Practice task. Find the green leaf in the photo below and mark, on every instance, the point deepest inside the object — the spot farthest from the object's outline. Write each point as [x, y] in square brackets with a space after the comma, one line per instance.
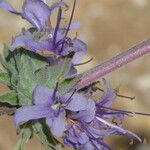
[67, 84]
[52, 74]
[26, 133]
[44, 135]
[9, 97]
[27, 65]
[9, 55]
[26, 80]
[9, 66]
[4, 78]
[38, 61]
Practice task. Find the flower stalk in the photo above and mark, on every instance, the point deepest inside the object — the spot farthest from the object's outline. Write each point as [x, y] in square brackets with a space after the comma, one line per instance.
[113, 64]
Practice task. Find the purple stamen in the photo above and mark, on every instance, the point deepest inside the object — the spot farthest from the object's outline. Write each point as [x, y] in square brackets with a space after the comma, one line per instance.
[113, 64]
[57, 26]
[119, 95]
[98, 140]
[84, 62]
[69, 99]
[102, 143]
[72, 13]
[110, 113]
[125, 111]
[117, 128]
[55, 91]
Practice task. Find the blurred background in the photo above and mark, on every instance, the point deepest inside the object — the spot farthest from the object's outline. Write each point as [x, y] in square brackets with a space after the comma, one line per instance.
[108, 27]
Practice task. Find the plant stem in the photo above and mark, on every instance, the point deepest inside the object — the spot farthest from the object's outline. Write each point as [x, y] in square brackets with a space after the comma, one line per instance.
[113, 64]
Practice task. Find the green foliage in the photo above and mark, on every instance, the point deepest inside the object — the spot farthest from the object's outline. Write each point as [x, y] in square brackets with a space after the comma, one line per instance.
[44, 135]
[26, 80]
[20, 67]
[4, 78]
[25, 135]
[50, 75]
[9, 97]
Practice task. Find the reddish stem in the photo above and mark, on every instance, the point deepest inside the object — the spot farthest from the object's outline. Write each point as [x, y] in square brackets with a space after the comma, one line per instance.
[113, 64]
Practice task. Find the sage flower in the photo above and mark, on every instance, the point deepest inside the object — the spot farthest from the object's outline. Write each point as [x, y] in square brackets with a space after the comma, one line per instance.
[42, 36]
[81, 121]
[49, 104]
[34, 11]
[88, 128]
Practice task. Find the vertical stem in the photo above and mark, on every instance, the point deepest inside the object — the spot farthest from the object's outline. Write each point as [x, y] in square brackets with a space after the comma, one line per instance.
[113, 64]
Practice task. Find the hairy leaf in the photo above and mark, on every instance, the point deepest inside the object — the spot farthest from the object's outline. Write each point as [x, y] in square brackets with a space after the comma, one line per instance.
[4, 78]
[26, 81]
[52, 74]
[44, 135]
[26, 133]
[9, 97]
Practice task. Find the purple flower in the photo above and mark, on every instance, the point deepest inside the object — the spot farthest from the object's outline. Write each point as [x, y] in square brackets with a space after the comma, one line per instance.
[89, 127]
[34, 11]
[44, 106]
[43, 37]
[49, 104]
[84, 123]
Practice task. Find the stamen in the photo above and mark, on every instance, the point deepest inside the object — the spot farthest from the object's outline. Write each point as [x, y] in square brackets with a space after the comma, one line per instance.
[84, 62]
[68, 100]
[54, 93]
[119, 95]
[98, 140]
[57, 26]
[72, 13]
[125, 111]
[118, 128]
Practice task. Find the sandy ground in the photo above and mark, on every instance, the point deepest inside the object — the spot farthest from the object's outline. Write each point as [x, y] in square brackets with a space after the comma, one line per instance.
[108, 27]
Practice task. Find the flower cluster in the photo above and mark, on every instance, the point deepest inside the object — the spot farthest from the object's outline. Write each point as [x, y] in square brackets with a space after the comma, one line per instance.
[42, 36]
[80, 120]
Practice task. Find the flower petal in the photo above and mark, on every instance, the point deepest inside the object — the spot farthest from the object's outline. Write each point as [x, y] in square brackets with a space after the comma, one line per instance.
[6, 6]
[88, 114]
[28, 42]
[42, 95]
[70, 136]
[27, 113]
[74, 25]
[82, 138]
[98, 133]
[77, 46]
[58, 4]
[88, 146]
[72, 71]
[119, 129]
[80, 48]
[74, 135]
[109, 95]
[57, 124]
[36, 12]
[77, 103]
